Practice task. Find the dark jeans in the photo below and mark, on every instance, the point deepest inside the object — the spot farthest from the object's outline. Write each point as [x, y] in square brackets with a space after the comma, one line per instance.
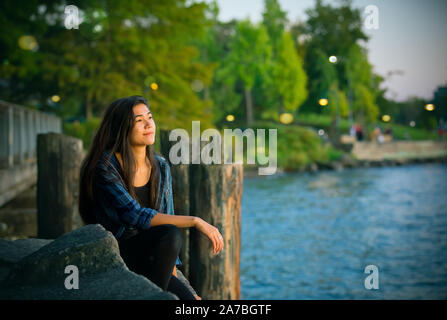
[152, 253]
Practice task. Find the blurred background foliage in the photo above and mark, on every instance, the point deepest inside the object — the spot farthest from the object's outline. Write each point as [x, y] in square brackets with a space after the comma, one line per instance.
[191, 66]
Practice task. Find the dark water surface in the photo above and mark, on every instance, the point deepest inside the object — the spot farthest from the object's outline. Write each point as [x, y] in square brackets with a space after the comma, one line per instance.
[310, 236]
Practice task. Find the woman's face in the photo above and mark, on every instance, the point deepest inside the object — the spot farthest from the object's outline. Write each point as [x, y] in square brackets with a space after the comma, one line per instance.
[143, 131]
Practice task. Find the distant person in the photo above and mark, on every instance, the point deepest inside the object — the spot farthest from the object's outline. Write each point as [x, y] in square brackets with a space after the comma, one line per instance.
[377, 135]
[388, 131]
[359, 132]
[352, 131]
[441, 133]
[388, 134]
[119, 189]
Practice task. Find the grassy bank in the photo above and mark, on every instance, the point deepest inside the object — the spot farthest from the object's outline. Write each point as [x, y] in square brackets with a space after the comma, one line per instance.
[299, 147]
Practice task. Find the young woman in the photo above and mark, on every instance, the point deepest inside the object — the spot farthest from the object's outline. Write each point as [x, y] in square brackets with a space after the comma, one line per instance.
[127, 188]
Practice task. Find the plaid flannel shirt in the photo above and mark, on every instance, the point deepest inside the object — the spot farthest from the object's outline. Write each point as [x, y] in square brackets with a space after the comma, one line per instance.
[115, 209]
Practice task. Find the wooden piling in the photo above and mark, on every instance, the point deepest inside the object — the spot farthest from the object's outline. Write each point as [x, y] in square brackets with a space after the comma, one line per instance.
[216, 192]
[58, 163]
[213, 193]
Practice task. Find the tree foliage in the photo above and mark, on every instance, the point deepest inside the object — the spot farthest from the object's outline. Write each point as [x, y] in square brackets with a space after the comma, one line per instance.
[121, 48]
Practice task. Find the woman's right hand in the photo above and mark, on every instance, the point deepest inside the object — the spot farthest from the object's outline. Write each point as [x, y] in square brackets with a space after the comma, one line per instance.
[212, 233]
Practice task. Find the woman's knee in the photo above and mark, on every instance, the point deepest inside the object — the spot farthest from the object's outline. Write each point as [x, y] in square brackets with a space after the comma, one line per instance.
[173, 236]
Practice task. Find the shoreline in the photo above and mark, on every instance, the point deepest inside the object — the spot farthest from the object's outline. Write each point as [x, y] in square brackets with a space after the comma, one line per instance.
[350, 163]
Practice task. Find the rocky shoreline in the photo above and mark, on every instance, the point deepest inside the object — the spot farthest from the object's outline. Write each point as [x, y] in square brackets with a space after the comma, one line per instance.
[347, 161]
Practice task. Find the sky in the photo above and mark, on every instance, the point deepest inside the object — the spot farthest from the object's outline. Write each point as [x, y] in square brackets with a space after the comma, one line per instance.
[411, 39]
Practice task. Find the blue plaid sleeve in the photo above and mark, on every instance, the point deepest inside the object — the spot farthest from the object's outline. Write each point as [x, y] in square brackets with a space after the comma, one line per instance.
[127, 211]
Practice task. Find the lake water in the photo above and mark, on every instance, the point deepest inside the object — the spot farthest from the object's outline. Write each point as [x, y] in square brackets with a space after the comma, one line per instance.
[310, 236]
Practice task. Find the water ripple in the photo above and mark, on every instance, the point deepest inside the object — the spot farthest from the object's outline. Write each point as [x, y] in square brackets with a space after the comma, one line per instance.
[311, 236]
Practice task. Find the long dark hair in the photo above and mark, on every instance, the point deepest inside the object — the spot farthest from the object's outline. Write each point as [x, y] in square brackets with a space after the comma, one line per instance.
[114, 135]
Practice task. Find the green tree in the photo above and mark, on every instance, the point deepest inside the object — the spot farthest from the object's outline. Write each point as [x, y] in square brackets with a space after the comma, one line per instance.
[328, 31]
[289, 77]
[323, 75]
[274, 20]
[283, 86]
[335, 29]
[337, 107]
[361, 85]
[220, 91]
[120, 48]
[249, 56]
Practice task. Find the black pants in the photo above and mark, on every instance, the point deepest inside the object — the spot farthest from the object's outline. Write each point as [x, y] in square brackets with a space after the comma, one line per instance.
[152, 253]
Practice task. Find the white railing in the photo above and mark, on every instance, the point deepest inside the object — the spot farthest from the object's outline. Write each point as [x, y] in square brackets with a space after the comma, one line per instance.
[19, 127]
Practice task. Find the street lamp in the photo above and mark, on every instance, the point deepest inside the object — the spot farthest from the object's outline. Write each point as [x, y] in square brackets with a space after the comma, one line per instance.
[429, 107]
[323, 102]
[56, 98]
[286, 118]
[230, 118]
[386, 118]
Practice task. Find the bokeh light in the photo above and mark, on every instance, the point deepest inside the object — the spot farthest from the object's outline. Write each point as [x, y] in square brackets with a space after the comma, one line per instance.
[28, 43]
[55, 98]
[323, 102]
[412, 124]
[286, 118]
[197, 85]
[429, 107]
[333, 59]
[386, 118]
[230, 118]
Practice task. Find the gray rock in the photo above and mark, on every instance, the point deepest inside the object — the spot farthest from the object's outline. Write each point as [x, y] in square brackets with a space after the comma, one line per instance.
[115, 284]
[337, 166]
[348, 160]
[12, 252]
[92, 249]
[183, 279]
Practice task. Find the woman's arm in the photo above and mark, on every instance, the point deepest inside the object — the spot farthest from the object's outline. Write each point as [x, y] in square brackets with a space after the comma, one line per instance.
[191, 221]
[178, 221]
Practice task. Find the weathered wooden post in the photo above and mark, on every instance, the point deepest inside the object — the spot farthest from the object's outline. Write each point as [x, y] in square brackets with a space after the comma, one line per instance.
[180, 186]
[216, 193]
[213, 193]
[58, 163]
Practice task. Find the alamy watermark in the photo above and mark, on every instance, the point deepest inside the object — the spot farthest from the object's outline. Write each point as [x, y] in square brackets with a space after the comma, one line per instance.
[219, 149]
[72, 17]
[372, 18]
[372, 281]
[71, 281]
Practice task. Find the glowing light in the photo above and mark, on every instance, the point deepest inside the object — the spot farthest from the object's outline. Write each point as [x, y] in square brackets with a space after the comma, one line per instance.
[286, 118]
[230, 118]
[197, 85]
[28, 43]
[323, 102]
[412, 123]
[429, 107]
[386, 118]
[97, 28]
[333, 59]
[154, 86]
[56, 98]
